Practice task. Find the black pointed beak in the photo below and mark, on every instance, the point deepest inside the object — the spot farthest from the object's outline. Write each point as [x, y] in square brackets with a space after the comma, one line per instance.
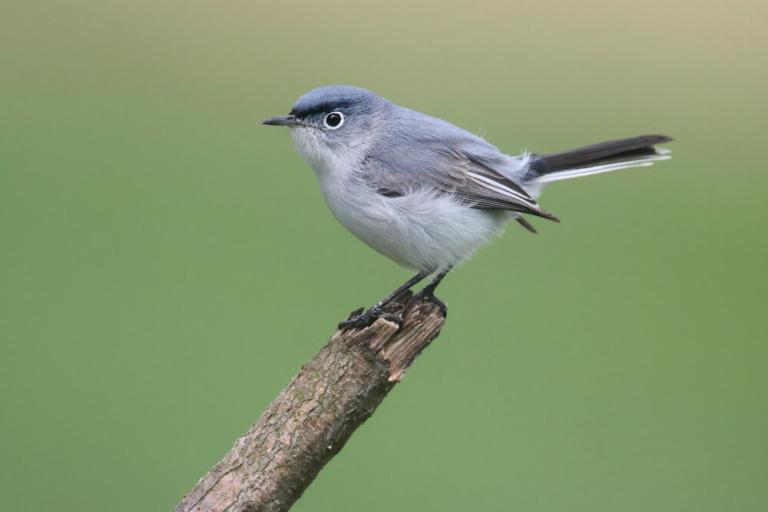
[281, 121]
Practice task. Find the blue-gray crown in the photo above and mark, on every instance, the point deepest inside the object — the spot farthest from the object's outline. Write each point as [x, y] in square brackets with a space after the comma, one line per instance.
[335, 97]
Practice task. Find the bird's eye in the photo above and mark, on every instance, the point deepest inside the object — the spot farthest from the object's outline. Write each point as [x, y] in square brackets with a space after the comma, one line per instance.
[334, 120]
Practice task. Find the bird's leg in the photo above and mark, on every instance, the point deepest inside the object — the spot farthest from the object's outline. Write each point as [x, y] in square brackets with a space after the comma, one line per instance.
[367, 317]
[428, 292]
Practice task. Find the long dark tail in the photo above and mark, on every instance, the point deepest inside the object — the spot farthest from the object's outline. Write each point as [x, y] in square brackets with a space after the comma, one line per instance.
[598, 158]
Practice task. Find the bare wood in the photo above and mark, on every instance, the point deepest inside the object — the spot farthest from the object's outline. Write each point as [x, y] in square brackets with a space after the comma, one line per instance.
[310, 420]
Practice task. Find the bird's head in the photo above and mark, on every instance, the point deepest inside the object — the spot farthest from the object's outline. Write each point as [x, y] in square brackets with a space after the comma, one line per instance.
[333, 122]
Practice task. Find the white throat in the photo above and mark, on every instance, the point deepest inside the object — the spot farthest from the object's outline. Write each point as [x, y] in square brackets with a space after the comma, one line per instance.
[328, 163]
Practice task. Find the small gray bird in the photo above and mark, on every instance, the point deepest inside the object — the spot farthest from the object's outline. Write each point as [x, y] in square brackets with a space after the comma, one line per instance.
[424, 192]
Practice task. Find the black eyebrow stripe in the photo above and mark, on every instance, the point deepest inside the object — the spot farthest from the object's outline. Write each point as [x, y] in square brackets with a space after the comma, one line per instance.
[327, 106]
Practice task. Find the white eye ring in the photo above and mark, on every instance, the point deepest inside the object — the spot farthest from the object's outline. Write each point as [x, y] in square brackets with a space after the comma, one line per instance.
[334, 117]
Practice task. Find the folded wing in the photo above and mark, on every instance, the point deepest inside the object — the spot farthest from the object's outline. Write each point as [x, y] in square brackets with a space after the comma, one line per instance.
[461, 174]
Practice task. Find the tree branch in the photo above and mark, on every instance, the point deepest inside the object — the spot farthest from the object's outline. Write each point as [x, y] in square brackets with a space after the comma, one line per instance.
[310, 420]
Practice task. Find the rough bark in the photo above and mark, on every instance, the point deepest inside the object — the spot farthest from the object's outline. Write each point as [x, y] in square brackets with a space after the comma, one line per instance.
[310, 420]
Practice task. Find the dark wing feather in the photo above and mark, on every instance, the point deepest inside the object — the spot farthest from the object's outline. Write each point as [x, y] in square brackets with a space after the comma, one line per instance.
[451, 172]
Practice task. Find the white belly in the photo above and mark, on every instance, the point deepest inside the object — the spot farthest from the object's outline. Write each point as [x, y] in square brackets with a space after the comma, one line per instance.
[422, 230]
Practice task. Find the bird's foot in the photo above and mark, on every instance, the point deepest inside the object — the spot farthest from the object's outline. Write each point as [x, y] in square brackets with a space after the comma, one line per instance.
[428, 295]
[360, 318]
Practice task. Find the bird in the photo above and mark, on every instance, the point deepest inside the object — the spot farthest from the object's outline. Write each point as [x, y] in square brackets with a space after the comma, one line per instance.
[424, 192]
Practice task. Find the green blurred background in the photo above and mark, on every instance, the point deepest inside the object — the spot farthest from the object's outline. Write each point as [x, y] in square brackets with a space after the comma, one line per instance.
[167, 263]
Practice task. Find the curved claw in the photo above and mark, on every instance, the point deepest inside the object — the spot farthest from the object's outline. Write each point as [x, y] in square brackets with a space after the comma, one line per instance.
[427, 296]
[367, 317]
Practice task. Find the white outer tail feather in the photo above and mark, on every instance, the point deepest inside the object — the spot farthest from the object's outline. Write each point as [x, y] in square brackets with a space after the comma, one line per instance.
[644, 161]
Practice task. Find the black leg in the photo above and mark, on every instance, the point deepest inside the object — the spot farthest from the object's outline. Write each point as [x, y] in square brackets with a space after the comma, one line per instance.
[428, 292]
[405, 286]
[370, 315]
